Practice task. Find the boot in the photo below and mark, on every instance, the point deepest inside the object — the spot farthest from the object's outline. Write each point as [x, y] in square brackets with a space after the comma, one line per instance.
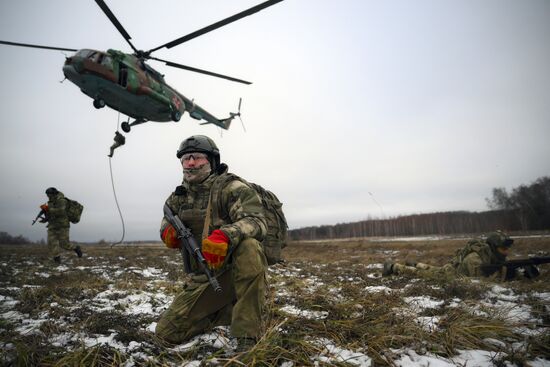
[78, 251]
[388, 268]
[245, 344]
[57, 259]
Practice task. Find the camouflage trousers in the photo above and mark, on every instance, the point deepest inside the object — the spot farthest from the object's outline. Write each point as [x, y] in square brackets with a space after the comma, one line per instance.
[425, 269]
[58, 238]
[240, 304]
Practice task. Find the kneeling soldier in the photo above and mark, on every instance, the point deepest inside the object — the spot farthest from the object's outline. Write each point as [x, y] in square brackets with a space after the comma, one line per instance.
[226, 214]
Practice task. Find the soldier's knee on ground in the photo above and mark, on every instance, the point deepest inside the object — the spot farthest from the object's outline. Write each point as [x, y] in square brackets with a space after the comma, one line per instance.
[249, 260]
[174, 331]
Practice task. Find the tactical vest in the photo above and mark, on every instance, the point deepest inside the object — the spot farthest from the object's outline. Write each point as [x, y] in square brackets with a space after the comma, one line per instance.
[276, 236]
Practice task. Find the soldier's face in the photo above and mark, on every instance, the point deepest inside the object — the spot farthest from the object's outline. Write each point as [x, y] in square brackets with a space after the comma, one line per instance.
[196, 167]
[192, 160]
[503, 250]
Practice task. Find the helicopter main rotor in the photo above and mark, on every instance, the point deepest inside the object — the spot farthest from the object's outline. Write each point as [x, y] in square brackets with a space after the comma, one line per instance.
[144, 55]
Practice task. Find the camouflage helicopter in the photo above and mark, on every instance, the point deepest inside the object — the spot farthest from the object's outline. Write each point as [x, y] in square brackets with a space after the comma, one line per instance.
[127, 84]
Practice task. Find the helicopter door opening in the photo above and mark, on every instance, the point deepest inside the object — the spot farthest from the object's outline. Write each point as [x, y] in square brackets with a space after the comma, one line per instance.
[122, 74]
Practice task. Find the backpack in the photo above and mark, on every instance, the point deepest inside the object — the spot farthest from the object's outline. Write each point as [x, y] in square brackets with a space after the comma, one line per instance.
[74, 210]
[276, 236]
[474, 245]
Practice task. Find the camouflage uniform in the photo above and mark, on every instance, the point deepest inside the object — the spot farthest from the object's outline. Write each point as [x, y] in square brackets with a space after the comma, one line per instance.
[237, 211]
[466, 262]
[58, 225]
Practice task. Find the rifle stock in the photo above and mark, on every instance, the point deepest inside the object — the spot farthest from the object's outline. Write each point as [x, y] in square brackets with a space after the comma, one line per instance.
[190, 245]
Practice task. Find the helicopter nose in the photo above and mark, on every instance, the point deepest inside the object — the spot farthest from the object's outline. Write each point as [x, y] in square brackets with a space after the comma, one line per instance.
[71, 73]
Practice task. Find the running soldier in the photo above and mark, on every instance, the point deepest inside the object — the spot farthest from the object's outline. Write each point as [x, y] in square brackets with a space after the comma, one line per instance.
[58, 225]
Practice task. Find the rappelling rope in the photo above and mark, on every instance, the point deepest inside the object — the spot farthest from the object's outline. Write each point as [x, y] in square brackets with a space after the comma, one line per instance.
[114, 194]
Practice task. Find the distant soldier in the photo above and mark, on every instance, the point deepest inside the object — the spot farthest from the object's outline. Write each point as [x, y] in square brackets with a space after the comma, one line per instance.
[119, 140]
[58, 224]
[467, 261]
[225, 214]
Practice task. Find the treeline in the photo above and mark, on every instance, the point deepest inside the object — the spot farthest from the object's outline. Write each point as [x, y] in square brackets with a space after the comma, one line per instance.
[415, 225]
[526, 208]
[6, 238]
[531, 202]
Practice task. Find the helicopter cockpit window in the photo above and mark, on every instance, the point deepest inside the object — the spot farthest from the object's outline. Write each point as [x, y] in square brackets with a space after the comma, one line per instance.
[92, 56]
[84, 53]
[107, 61]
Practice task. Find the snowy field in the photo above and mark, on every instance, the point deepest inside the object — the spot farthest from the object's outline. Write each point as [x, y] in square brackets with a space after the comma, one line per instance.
[328, 306]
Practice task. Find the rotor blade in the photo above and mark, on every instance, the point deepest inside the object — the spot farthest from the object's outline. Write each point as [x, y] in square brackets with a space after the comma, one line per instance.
[115, 22]
[217, 25]
[190, 68]
[37, 46]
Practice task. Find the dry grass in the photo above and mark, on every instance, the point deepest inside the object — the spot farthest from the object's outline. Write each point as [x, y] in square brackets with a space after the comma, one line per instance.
[327, 280]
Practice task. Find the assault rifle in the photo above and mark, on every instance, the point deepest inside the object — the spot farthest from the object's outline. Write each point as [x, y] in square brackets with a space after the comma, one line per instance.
[528, 265]
[189, 245]
[42, 215]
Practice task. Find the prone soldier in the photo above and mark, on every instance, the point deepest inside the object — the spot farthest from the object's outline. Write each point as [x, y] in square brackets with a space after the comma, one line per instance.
[468, 261]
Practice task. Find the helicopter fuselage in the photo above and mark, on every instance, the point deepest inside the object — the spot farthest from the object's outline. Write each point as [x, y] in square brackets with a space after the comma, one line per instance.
[125, 83]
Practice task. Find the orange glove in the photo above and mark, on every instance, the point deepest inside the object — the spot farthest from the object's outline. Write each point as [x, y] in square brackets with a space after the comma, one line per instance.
[170, 237]
[214, 249]
[44, 207]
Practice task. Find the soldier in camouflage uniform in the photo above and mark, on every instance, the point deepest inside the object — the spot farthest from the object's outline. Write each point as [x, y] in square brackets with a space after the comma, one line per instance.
[119, 140]
[467, 261]
[231, 225]
[58, 225]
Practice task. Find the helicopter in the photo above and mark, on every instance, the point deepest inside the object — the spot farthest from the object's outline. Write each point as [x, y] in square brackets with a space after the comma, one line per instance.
[126, 83]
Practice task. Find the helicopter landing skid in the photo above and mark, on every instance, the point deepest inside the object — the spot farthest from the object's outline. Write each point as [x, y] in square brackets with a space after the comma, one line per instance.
[126, 126]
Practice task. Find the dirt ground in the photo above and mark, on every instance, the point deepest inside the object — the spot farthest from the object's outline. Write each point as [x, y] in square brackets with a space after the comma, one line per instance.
[328, 305]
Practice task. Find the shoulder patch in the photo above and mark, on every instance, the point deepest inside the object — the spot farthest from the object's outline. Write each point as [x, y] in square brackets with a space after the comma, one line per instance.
[180, 191]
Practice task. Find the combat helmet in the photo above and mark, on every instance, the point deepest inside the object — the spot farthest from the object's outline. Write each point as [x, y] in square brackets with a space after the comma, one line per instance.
[499, 239]
[202, 144]
[51, 191]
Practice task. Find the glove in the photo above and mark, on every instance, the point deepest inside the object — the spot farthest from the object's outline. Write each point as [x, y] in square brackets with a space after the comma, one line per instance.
[44, 207]
[214, 249]
[170, 237]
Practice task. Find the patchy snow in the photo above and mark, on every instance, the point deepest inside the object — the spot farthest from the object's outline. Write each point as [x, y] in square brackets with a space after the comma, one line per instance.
[7, 302]
[466, 358]
[538, 362]
[312, 315]
[420, 303]
[331, 353]
[375, 266]
[150, 272]
[378, 289]
[428, 323]
[217, 339]
[140, 302]
[25, 324]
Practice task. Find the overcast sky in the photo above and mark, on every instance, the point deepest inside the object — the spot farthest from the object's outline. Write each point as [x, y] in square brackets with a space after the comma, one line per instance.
[358, 108]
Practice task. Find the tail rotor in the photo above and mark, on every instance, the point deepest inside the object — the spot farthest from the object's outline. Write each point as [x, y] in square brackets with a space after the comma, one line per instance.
[238, 114]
